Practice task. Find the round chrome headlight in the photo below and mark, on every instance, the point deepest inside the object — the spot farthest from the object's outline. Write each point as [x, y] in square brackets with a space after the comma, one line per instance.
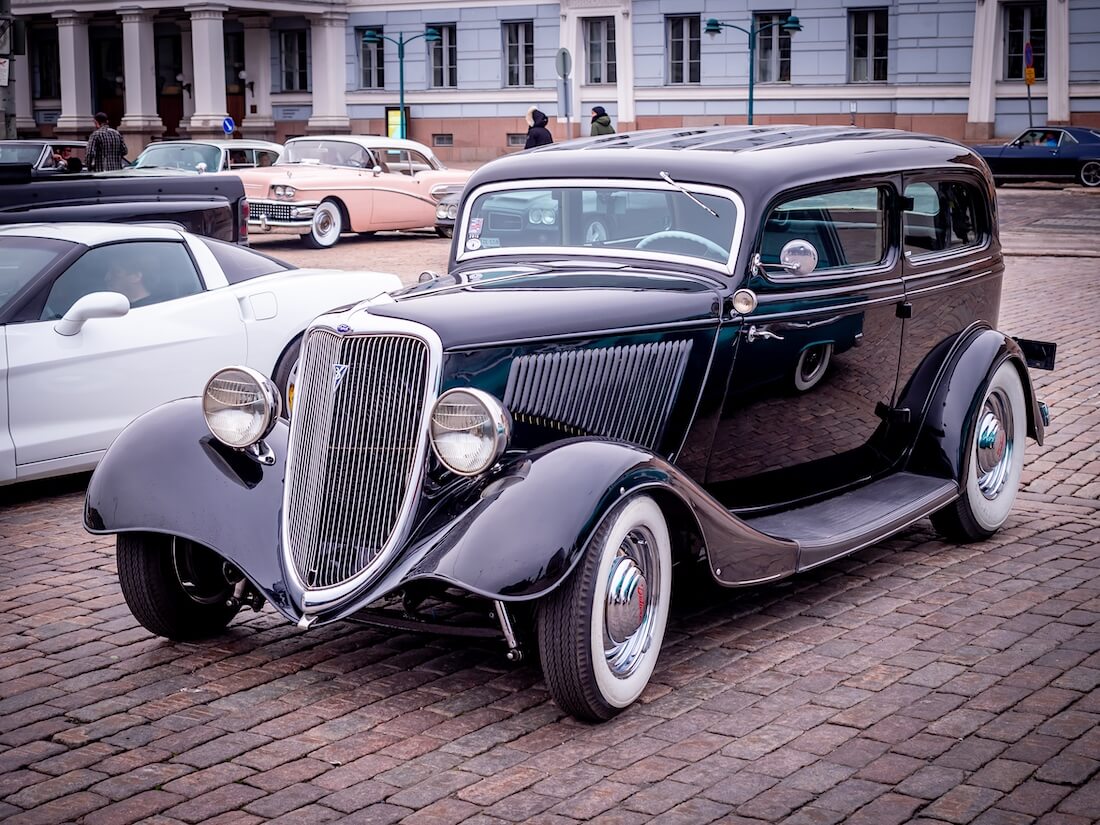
[441, 211]
[469, 430]
[452, 211]
[240, 406]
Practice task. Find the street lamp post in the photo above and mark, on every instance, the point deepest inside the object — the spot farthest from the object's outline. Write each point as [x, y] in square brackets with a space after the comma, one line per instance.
[713, 27]
[372, 36]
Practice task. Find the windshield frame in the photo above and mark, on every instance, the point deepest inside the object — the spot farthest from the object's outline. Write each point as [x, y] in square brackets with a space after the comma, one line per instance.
[726, 268]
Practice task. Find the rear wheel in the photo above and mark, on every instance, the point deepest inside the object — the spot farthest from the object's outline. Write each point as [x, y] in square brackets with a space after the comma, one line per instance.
[996, 461]
[327, 225]
[600, 633]
[1090, 173]
[174, 587]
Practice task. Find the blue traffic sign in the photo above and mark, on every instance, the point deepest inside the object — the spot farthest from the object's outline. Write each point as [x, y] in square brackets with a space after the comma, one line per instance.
[228, 125]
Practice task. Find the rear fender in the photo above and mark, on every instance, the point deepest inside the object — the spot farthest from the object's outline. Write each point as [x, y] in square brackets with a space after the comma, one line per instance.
[951, 411]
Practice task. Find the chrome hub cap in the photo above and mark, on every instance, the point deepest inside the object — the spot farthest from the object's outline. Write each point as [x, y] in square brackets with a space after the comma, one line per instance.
[324, 223]
[993, 450]
[629, 609]
[1090, 174]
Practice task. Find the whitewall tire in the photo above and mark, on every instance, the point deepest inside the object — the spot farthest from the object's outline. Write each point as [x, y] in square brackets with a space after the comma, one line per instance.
[600, 632]
[327, 226]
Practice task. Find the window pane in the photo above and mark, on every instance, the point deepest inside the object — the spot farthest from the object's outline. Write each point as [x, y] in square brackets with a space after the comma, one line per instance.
[945, 215]
[846, 228]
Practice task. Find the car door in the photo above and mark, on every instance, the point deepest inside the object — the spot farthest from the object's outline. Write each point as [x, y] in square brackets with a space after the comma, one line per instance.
[815, 369]
[71, 394]
[1030, 155]
[953, 266]
[401, 197]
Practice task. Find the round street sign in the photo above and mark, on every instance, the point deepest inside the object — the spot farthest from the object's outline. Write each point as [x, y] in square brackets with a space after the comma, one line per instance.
[228, 125]
[563, 62]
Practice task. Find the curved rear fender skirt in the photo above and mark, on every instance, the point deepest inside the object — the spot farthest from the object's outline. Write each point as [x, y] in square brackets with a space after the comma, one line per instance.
[521, 534]
[940, 448]
[165, 473]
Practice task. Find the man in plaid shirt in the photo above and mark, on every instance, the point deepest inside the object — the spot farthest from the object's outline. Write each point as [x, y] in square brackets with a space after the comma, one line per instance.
[106, 147]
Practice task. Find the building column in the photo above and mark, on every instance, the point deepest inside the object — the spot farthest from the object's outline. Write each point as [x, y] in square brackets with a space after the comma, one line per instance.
[24, 107]
[187, 61]
[141, 123]
[208, 59]
[75, 120]
[328, 42]
[981, 113]
[1058, 62]
[259, 123]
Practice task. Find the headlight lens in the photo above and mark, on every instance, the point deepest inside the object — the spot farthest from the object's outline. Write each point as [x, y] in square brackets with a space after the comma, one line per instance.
[452, 211]
[441, 212]
[469, 430]
[240, 406]
[280, 191]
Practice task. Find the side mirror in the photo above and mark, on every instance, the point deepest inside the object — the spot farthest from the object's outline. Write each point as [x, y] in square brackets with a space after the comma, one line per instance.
[200, 167]
[798, 257]
[92, 305]
[376, 169]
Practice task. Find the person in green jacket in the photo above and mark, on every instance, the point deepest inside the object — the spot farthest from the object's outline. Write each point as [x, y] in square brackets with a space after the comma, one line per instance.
[601, 122]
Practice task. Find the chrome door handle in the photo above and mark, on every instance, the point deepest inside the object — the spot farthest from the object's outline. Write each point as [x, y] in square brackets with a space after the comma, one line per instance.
[755, 333]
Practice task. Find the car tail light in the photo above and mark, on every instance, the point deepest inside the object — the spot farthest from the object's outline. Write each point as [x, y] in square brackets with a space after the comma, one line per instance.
[242, 222]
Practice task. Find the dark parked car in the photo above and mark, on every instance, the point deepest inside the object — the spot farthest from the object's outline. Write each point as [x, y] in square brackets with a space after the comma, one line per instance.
[751, 350]
[45, 157]
[1049, 153]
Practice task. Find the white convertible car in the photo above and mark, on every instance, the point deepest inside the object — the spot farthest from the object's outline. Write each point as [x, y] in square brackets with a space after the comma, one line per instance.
[100, 323]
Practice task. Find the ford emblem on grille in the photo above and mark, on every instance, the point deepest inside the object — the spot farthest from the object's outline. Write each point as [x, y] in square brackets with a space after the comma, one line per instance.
[338, 373]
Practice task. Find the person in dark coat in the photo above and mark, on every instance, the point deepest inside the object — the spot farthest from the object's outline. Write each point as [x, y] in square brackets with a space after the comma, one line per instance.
[537, 133]
[601, 122]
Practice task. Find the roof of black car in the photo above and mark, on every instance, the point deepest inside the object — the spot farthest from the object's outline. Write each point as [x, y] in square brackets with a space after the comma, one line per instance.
[756, 160]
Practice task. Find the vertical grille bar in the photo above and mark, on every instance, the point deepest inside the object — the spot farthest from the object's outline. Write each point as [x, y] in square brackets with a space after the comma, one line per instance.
[358, 420]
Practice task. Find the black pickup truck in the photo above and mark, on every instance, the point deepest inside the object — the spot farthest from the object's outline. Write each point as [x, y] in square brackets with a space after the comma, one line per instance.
[211, 205]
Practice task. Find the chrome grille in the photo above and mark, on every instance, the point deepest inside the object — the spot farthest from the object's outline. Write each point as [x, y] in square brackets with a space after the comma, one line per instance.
[617, 392]
[268, 209]
[356, 436]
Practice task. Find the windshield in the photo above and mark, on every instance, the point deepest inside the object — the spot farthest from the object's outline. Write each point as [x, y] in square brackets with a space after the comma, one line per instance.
[22, 260]
[180, 156]
[329, 152]
[20, 152]
[616, 220]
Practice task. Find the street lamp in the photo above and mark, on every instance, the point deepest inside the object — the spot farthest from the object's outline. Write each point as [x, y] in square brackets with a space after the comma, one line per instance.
[713, 27]
[372, 36]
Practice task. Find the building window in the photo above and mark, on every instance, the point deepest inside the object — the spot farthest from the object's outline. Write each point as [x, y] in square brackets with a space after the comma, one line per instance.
[443, 139]
[682, 46]
[519, 53]
[517, 139]
[1024, 23]
[868, 44]
[599, 38]
[444, 53]
[372, 59]
[233, 49]
[773, 48]
[294, 60]
[45, 64]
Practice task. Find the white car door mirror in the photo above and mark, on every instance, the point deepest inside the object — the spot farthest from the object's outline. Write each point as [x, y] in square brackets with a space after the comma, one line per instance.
[376, 169]
[798, 257]
[92, 305]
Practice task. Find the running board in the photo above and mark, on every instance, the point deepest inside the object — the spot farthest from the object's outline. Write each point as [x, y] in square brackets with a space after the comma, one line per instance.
[850, 522]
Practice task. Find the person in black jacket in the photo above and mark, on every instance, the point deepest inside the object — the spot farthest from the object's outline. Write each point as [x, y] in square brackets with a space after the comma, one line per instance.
[537, 133]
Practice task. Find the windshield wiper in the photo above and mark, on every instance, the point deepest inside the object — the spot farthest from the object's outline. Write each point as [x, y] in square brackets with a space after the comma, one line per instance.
[668, 179]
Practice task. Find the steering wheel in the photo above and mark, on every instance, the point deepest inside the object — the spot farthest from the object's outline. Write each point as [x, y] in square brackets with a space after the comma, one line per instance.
[677, 235]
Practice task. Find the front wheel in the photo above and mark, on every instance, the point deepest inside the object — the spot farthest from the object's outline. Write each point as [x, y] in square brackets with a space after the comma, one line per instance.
[996, 462]
[1090, 173]
[174, 587]
[445, 231]
[327, 225]
[600, 633]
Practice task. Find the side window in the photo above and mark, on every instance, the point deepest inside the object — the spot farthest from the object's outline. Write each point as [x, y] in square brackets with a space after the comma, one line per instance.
[265, 158]
[847, 228]
[944, 216]
[146, 272]
[240, 264]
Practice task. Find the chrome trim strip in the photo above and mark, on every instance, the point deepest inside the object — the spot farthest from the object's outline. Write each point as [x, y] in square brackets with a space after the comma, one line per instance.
[950, 284]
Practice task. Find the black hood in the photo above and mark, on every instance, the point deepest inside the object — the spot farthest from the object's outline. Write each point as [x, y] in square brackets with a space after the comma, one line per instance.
[539, 118]
[546, 304]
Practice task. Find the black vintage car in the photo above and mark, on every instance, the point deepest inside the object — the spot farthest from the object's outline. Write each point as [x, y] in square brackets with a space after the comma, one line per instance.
[1058, 153]
[748, 350]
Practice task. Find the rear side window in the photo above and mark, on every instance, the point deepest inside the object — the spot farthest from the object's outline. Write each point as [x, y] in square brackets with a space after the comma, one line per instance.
[846, 228]
[240, 264]
[24, 259]
[944, 216]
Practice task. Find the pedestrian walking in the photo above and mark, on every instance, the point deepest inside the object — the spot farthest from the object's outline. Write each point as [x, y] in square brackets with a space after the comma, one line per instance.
[537, 133]
[601, 122]
[106, 148]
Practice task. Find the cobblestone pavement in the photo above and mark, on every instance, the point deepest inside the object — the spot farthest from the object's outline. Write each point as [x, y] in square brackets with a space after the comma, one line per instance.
[914, 681]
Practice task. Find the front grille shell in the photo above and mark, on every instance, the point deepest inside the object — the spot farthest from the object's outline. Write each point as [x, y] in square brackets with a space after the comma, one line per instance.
[356, 455]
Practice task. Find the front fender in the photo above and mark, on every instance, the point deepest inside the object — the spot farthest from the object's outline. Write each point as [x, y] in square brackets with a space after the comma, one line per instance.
[165, 473]
[959, 387]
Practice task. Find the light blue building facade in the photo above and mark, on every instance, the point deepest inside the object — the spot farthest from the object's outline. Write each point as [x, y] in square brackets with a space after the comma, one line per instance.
[471, 70]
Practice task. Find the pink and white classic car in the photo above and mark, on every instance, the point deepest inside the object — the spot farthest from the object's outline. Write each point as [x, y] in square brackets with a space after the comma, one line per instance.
[324, 186]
